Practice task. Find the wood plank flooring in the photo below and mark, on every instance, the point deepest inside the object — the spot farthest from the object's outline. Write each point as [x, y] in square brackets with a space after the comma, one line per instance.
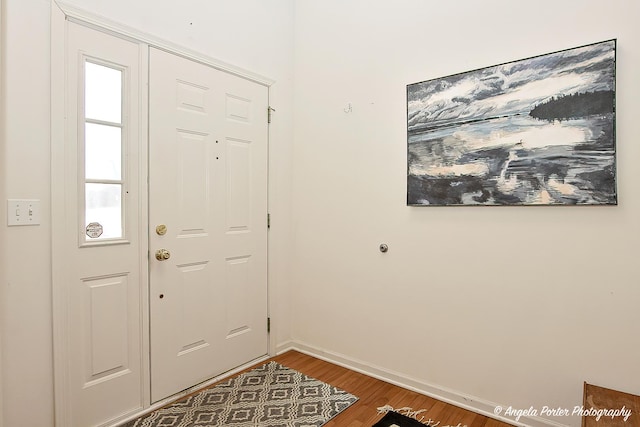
[604, 398]
[374, 393]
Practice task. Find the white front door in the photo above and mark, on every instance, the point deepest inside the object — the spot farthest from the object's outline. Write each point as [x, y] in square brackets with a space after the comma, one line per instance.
[207, 222]
[98, 282]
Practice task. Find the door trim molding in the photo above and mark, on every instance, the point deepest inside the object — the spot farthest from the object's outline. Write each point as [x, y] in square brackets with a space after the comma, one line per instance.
[58, 270]
[2, 197]
[87, 18]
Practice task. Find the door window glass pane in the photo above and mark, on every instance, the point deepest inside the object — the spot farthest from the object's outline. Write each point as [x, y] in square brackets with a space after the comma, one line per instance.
[103, 211]
[103, 154]
[103, 93]
[103, 146]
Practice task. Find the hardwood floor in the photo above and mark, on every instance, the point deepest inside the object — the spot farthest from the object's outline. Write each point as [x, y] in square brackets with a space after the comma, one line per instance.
[373, 393]
[605, 398]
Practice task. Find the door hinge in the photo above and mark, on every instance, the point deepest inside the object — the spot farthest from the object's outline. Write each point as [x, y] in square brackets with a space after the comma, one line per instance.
[268, 324]
[269, 111]
[268, 221]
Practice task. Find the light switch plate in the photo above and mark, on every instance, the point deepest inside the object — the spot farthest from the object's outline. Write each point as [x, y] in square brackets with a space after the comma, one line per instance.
[23, 212]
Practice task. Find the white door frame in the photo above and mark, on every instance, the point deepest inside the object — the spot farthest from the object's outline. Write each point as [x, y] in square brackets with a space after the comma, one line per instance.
[60, 13]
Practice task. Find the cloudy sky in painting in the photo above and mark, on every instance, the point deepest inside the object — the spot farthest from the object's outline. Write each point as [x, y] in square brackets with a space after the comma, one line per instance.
[511, 88]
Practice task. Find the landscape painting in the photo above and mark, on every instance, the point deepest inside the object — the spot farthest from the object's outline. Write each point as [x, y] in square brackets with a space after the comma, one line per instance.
[538, 131]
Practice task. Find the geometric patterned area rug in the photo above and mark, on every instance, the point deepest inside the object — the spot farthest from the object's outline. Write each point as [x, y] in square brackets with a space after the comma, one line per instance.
[270, 395]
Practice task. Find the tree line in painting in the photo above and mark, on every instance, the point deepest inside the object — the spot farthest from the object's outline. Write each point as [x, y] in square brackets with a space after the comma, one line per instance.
[575, 105]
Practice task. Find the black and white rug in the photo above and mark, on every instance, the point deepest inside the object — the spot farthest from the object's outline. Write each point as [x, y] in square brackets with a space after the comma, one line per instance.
[394, 419]
[406, 417]
[270, 395]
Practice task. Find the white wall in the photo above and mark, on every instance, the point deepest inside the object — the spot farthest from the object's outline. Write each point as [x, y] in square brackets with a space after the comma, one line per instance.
[516, 306]
[249, 33]
[26, 284]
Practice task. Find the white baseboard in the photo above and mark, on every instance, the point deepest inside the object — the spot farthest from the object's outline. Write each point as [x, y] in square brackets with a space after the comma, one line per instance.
[286, 346]
[452, 397]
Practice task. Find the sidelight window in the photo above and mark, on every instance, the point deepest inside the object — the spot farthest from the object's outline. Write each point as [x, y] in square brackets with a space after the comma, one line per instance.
[103, 152]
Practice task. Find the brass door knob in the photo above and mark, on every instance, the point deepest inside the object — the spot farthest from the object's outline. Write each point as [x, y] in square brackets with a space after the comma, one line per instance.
[163, 254]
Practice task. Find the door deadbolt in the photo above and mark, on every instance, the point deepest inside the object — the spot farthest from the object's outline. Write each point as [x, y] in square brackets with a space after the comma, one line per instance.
[163, 254]
[161, 230]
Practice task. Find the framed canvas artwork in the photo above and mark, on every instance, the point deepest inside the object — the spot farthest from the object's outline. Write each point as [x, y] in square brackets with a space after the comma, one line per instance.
[537, 131]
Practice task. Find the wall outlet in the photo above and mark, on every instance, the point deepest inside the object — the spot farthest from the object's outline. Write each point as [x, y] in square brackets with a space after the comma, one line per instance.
[23, 212]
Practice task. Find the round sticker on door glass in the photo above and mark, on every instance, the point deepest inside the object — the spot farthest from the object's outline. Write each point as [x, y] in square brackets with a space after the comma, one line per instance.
[94, 230]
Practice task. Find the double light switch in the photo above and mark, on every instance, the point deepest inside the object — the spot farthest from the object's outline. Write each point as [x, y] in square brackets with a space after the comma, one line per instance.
[23, 212]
